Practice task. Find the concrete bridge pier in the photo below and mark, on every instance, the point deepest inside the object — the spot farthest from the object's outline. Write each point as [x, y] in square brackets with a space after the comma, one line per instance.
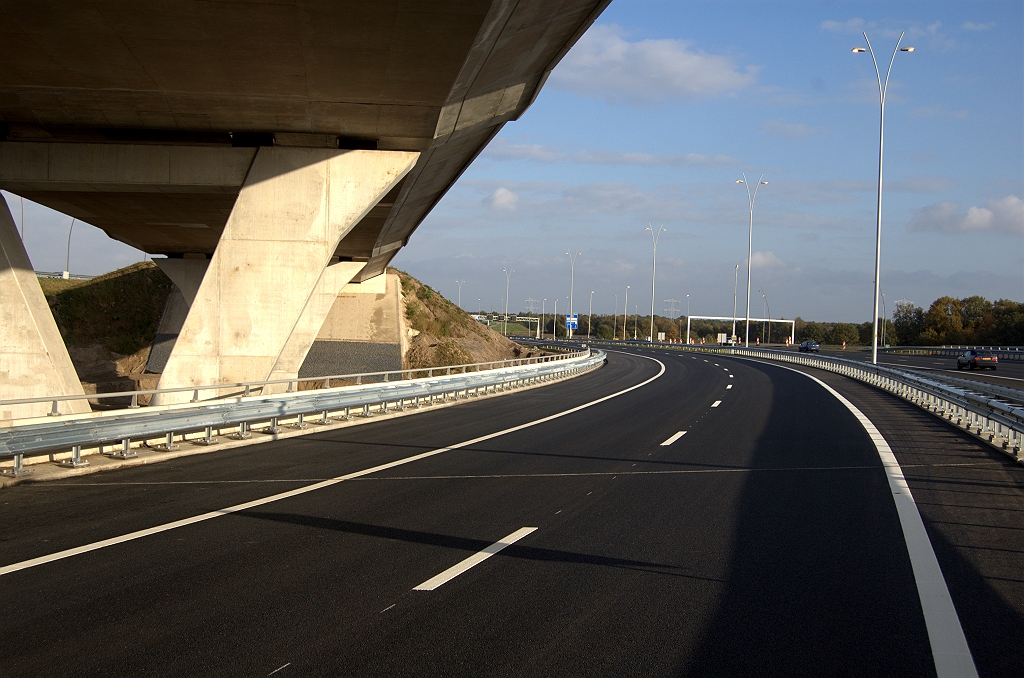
[271, 281]
[34, 361]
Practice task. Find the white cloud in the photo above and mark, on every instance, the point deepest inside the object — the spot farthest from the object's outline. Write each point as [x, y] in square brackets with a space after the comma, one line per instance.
[790, 130]
[504, 150]
[971, 26]
[1004, 215]
[848, 26]
[765, 260]
[503, 200]
[604, 64]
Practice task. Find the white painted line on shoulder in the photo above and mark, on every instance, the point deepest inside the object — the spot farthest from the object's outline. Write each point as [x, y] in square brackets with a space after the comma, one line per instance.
[950, 651]
[78, 550]
[730, 376]
[716, 403]
[728, 387]
[475, 559]
[674, 438]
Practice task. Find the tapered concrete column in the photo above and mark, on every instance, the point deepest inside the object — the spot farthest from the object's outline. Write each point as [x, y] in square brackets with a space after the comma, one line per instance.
[34, 361]
[332, 281]
[294, 208]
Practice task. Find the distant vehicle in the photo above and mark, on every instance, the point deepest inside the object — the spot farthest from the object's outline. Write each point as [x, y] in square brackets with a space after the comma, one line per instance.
[810, 345]
[976, 360]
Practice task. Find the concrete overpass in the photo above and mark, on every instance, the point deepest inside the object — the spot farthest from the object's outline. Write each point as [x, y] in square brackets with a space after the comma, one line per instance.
[273, 152]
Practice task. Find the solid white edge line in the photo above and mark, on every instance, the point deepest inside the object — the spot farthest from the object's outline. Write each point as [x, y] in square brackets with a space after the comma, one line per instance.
[78, 550]
[716, 403]
[474, 560]
[674, 438]
[950, 652]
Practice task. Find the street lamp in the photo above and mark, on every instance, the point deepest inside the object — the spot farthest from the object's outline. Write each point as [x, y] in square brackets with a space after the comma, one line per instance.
[615, 318]
[590, 316]
[878, 219]
[541, 325]
[884, 319]
[654, 271]
[67, 261]
[508, 276]
[572, 279]
[750, 241]
[625, 313]
[459, 283]
[769, 313]
[687, 319]
[735, 282]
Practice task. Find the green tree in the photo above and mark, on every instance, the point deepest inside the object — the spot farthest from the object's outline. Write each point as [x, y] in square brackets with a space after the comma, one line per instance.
[945, 319]
[843, 332]
[909, 322]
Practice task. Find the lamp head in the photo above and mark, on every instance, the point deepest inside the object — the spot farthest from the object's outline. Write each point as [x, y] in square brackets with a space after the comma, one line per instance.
[764, 182]
[906, 49]
[858, 50]
[740, 181]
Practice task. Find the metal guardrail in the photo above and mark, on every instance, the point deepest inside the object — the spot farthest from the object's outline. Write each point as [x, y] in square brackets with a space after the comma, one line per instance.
[1003, 352]
[122, 426]
[248, 388]
[977, 407]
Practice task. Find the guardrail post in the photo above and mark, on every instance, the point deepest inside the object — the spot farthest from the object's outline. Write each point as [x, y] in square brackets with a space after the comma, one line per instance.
[76, 460]
[366, 410]
[327, 382]
[207, 438]
[195, 396]
[301, 422]
[348, 413]
[135, 402]
[55, 412]
[273, 428]
[169, 445]
[359, 379]
[243, 432]
[17, 469]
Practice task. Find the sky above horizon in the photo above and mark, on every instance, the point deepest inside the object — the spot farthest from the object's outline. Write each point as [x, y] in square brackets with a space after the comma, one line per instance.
[662, 105]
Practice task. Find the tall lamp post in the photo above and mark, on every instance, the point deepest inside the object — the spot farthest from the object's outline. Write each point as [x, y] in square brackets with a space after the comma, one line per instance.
[878, 219]
[459, 283]
[541, 325]
[654, 272]
[590, 316]
[67, 261]
[625, 313]
[884, 319]
[735, 282]
[687, 319]
[508, 276]
[615, 318]
[572, 279]
[750, 241]
[769, 313]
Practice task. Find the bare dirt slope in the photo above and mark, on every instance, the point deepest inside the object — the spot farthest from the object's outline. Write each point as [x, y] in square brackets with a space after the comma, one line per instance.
[443, 334]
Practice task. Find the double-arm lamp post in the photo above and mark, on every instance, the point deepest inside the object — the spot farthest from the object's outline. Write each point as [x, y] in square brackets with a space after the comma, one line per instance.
[882, 86]
[654, 271]
[751, 197]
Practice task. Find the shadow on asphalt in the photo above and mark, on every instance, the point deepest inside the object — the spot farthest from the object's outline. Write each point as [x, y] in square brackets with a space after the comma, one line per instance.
[464, 543]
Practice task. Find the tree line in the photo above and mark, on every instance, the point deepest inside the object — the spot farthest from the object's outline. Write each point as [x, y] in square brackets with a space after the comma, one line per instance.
[948, 320]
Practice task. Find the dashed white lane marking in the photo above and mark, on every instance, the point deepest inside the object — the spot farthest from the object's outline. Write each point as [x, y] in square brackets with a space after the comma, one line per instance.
[674, 438]
[950, 651]
[716, 403]
[285, 666]
[475, 559]
[730, 376]
[728, 387]
[113, 541]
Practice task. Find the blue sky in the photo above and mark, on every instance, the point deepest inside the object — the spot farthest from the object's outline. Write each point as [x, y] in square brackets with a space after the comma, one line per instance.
[661, 106]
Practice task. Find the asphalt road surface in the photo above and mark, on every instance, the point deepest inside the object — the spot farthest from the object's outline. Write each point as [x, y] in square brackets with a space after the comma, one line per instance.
[565, 530]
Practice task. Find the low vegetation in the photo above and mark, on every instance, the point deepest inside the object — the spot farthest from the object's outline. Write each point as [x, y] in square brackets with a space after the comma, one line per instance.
[119, 310]
[444, 333]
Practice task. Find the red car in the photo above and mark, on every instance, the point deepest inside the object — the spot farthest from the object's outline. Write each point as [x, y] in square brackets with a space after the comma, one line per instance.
[976, 360]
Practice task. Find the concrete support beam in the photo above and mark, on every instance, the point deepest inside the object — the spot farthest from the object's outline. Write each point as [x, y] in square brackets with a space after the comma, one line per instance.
[34, 361]
[332, 281]
[294, 208]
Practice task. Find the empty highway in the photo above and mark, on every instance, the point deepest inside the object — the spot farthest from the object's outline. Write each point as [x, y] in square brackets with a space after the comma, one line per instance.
[669, 514]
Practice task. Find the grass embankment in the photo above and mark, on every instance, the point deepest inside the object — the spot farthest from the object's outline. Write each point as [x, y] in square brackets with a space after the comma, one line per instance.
[445, 334]
[119, 310]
